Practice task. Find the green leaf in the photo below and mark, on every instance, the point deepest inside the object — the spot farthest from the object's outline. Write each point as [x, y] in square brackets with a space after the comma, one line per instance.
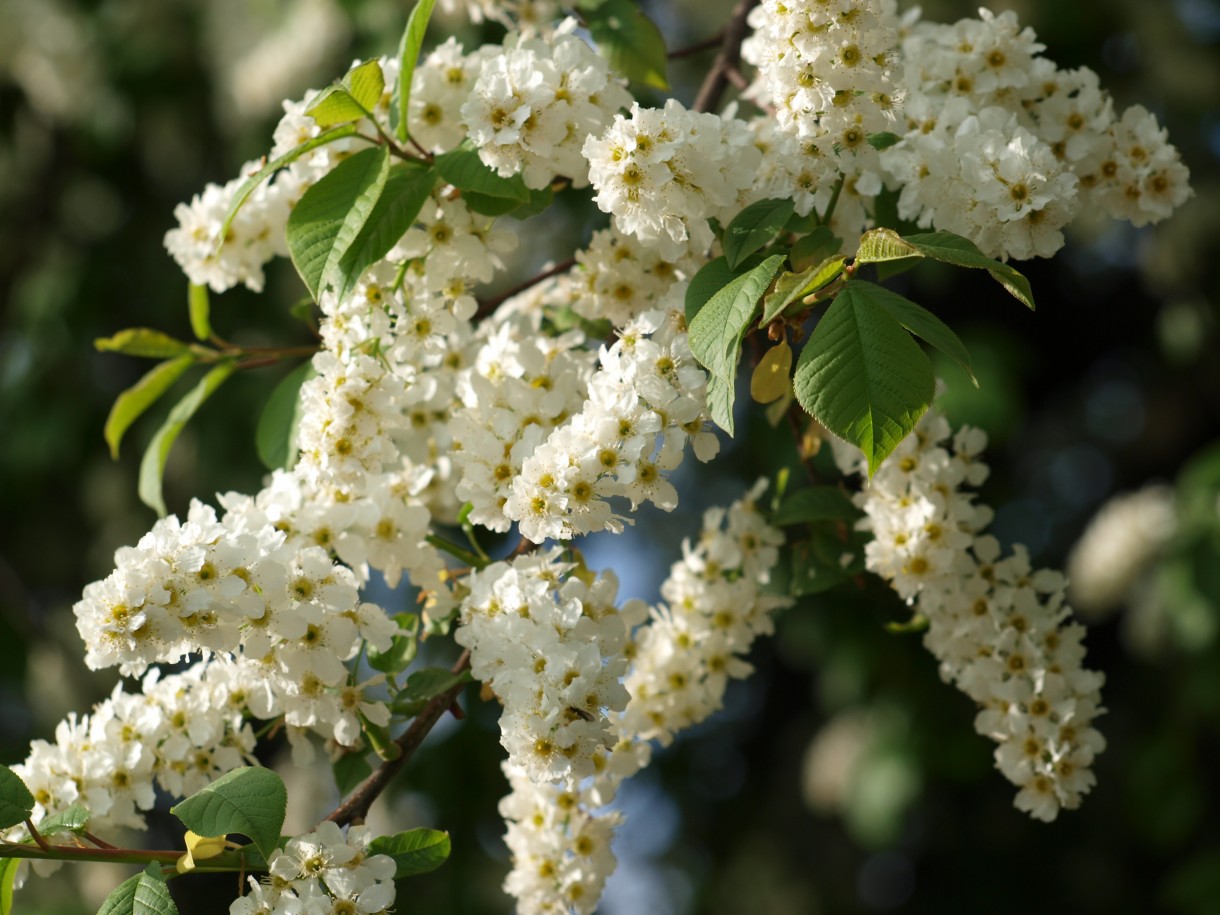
[379, 738]
[8, 874]
[366, 83]
[350, 770]
[881, 245]
[407, 187]
[73, 819]
[818, 564]
[961, 252]
[131, 404]
[817, 503]
[754, 227]
[142, 341]
[814, 248]
[143, 894]
[923, 324]
[490, 206]
[717, 330]
[862, 376]
[408, 57]
[152, 466]
[198, 306]
[401, 652]
[330, 215]
[16, 802]
[276, 433]
[423, 686]
[335, 105]
[249, 800]
[248, 186]
[416, 851]
[707, 281]
[630, 41]
[792, 287]
[721, 396]
[463, 168]
[883, 140]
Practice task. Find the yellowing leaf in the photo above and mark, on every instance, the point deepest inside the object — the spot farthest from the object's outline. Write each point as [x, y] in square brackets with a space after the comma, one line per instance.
[199, 848]
[772, 376]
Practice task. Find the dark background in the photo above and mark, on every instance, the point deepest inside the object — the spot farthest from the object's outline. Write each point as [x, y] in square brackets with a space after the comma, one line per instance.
[1111, 383]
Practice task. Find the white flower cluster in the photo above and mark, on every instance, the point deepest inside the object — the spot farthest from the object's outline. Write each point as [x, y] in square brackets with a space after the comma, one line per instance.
[323, 872]
[522, 385]
[649, 388]
[619, 278]
[439, 87]
[256, 235]
[451, 250]
[1003, 147]
[715, 607]
[179, 733]
[534, 104]
[1000, 629]
[560, 848]
[279, 607]
[681, 660]
[547, 639]
[828, 68]
[200, 585]
[665, 171]
[1122, 540]
[795, 169]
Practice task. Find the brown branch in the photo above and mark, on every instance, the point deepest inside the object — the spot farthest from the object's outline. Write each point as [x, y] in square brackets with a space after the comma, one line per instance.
[717, 79]
[356, 807]
[487, 306]
[523, 547]
[737, 78]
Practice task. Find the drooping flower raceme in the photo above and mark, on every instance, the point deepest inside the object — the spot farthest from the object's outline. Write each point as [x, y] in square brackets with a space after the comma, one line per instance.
[999, 628]
[549, 644]
[1005, 148]
[681, 660]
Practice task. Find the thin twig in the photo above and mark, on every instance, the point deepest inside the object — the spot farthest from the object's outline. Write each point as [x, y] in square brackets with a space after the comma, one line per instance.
[356, 807]
[100, 843]
[737, 78]
[36, 835]
[523, 547]
[487, 306]
[717, 79]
